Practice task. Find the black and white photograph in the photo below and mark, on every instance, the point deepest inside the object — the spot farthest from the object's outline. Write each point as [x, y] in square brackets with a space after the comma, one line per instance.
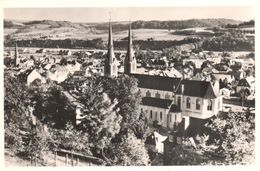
[129, 86]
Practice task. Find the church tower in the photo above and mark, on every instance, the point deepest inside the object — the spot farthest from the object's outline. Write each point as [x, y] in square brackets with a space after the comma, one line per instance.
[111, 63]
[16, 56]
[130, 60]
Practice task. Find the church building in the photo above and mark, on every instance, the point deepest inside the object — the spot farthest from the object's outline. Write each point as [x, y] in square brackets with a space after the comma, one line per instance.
[166, 100]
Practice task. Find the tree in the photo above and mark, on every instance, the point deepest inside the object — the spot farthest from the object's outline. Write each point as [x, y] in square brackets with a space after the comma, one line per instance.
[16, 113]
[70, 138]
[50, 105]
[63, 61]
[100, 118]
[230, 139]
[129, 152]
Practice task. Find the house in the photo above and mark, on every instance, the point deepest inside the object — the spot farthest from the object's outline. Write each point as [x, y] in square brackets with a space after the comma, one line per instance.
[41, 51]
[65, 52]
[224, 76]
[172, 72]
[239, 74]
[154, 142]
[58, 73]
[246, 83]
[196, 60]
[32, 74]
[225, 92]
[248, 63]
[214, 59]
[78, 107]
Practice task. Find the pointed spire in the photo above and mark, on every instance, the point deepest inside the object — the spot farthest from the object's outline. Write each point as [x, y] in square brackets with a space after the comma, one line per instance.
[111, 54]
[130, 51]
[16, 51]
[130, 61]
[16, 55]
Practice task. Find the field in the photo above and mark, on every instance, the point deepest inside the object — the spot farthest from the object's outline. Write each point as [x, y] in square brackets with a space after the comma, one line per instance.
[87, 33]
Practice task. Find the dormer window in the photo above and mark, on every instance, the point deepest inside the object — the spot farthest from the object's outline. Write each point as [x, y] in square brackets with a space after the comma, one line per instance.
[148, 94]
[157, 95]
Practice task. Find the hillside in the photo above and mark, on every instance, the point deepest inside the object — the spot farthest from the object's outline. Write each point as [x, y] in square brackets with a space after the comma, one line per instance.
[158, 30]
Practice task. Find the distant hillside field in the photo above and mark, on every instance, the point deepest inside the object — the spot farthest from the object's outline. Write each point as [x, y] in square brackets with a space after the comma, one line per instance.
[142, 30]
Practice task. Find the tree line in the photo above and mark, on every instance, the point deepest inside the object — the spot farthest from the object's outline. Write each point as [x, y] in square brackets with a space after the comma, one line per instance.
[98, 43]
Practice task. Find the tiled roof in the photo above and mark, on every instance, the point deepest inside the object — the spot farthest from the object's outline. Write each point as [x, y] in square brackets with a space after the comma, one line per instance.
[156, 102]
[156, 82]
[196, 88]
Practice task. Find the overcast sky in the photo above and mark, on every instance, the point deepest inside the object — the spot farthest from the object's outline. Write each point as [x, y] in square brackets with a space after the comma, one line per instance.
[133, 13]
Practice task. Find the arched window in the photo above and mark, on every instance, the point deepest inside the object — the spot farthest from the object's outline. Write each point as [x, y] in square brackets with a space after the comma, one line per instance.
[160, 115]
[157, 95]
[148, 94]
[167, 96]
[209, 107]
[151, 114]
[188, 103]
[198, 103]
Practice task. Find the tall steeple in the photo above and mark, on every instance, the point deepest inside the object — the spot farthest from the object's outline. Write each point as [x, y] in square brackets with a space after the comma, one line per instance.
[16, 55]
[130, 60]
[110, 61]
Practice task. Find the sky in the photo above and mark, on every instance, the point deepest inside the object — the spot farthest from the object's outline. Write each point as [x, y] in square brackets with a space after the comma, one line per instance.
[97, 14]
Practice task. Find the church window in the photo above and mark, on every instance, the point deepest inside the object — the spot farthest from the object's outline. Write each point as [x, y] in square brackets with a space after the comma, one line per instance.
[167, 96]
[198, 103]
[209, 107]
[151, 114]
[160, 115]
[188, 103]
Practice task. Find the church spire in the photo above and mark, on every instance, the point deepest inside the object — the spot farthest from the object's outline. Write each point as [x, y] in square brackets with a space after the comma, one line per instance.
[130, 51]
[130, 61]
[110, 61]
[111, 54]
[16, 55]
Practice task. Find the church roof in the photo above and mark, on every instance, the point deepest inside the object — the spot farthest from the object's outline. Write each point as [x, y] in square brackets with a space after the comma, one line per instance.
[195, 88]
[156, 82]
[156, 102]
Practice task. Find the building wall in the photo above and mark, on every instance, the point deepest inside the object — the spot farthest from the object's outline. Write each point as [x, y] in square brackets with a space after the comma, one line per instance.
[174, 118]
[156, 112]
[201, 112]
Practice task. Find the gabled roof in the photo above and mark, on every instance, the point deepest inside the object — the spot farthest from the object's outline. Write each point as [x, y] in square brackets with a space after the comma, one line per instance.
[151, 139]
[156, 102]
[156, 82]
[195, 88]
[246, 82]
